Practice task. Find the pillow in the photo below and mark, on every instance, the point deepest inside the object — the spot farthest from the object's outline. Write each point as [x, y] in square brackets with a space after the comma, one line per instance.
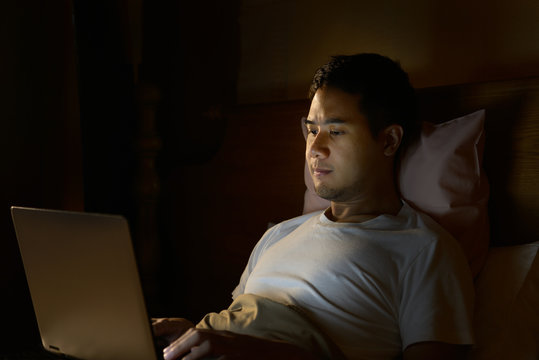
[442, 175]
[506, 319]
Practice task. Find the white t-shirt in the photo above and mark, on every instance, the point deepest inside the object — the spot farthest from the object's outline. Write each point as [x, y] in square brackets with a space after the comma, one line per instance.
[374, 287]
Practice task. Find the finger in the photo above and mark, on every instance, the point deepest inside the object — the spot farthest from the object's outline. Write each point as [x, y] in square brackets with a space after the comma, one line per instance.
[199, 343]
[200, 352]
[182, 345]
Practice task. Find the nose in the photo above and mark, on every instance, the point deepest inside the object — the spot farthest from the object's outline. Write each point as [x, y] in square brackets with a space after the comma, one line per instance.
[317, 147]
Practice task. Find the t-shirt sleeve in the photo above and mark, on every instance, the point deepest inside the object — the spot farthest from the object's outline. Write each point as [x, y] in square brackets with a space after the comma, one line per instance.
[270, 237]
[436, 301]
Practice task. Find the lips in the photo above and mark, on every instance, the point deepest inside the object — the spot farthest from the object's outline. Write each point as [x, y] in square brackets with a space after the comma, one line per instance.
[320, 171]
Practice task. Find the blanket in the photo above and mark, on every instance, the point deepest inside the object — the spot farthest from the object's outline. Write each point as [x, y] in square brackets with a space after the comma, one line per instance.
[258, 316]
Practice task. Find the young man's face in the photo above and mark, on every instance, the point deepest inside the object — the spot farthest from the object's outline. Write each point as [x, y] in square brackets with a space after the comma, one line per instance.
[343, 157]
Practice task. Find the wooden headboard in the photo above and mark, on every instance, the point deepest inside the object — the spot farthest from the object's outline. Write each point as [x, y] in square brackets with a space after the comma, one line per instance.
[256, 177]
[265, 146]
[511, 157]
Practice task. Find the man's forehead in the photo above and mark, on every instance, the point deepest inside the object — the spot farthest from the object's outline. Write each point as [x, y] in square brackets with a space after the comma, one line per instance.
[334, 106]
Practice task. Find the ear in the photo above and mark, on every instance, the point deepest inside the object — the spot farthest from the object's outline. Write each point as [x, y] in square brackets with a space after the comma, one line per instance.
[391, 137]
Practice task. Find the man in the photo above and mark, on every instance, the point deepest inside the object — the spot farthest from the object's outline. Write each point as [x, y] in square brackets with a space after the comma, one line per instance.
[378, 279]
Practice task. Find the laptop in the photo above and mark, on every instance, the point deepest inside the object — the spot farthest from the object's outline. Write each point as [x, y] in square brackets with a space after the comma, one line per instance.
[84, 285]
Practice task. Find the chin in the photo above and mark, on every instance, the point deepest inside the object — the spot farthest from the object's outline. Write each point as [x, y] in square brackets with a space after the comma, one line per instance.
[327, 193]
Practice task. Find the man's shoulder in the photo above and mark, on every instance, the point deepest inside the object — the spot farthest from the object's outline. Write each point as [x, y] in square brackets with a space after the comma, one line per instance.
[431, 237]
[298, 220]
[285, 227]
[424, 222]
[277, 232]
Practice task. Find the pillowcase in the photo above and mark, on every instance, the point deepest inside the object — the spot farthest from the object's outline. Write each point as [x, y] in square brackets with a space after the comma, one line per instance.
[442, 175]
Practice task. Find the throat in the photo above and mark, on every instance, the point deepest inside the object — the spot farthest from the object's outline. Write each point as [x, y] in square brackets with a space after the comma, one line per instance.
[352, 218]
[352, 213]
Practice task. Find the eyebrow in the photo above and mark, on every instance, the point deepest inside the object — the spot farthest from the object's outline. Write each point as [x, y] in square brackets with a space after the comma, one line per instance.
[326, 121]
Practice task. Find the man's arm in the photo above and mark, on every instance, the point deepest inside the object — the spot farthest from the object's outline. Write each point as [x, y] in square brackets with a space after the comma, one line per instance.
[435, 350]
[200, 344]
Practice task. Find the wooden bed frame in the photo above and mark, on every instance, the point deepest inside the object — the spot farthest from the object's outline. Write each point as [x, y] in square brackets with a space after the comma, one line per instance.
[511, 157]
[263, 150]
[257, 176]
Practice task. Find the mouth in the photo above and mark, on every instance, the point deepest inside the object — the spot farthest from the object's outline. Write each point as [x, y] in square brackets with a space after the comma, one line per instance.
[319, 172]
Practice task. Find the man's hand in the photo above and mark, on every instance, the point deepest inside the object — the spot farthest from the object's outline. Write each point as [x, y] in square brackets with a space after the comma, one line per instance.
[224, 345]
[170, 329]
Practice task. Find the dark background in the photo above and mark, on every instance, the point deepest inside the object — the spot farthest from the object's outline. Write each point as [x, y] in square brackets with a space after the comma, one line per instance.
[131, 107]
[72, 74]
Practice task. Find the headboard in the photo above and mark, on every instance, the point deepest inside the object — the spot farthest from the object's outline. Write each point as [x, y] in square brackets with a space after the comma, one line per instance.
[264, 151]
[256, 177]
[511, 157]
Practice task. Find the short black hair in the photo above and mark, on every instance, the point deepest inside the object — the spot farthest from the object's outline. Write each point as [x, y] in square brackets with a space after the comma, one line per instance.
[386, 95]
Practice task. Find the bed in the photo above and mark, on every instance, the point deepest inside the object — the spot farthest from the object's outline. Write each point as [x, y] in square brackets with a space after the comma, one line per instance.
[262, 159]
[507, 285]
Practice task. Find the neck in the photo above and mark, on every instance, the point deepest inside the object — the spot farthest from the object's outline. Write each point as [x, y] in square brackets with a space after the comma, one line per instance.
[386, 201]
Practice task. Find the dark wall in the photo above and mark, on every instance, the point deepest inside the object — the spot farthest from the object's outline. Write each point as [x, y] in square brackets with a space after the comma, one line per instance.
[191, 51]
[107, 108]
[40, 144]
[70, 71]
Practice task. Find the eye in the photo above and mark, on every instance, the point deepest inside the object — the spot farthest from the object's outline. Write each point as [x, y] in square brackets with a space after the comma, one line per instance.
[336, 132]
[312, 130]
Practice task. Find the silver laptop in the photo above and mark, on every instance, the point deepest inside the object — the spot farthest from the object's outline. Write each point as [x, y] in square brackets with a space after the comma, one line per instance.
[84, 284]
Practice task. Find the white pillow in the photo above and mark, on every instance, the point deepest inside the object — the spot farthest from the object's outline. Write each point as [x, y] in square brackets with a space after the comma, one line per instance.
[442, 176]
